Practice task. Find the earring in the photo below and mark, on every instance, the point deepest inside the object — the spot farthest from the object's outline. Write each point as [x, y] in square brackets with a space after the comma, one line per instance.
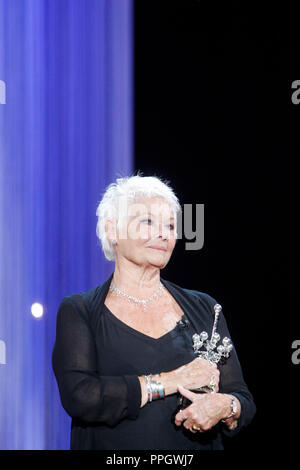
[114, 241]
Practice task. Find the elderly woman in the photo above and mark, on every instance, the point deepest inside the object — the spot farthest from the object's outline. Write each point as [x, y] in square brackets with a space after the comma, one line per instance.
[124, 350]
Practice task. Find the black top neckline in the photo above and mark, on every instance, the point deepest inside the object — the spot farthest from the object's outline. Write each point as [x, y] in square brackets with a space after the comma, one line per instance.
[169, 334]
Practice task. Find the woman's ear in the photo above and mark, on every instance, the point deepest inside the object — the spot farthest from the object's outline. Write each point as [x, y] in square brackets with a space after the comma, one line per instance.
[111, 231]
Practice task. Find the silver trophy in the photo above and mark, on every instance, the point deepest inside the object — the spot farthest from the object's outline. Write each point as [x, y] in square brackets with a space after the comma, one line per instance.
[211, 352]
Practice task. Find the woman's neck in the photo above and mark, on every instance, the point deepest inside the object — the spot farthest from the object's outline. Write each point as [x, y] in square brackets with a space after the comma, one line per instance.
[138, 281]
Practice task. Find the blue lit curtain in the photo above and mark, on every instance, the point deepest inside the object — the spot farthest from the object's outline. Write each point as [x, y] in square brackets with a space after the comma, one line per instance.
[65, 133]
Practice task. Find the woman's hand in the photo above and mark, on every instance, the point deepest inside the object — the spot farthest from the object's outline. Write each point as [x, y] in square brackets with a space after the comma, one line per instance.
[198, 373]
[206, 410]
[194, 375]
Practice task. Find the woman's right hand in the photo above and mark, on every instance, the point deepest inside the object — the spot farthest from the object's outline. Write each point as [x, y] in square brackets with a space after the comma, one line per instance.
[193, 375]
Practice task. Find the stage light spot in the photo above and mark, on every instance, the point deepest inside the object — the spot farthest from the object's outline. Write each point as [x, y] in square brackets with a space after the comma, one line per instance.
[37, 310]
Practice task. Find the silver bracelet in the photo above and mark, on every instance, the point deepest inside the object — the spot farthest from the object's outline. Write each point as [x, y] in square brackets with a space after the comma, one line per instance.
[148, 383]
[155, 389]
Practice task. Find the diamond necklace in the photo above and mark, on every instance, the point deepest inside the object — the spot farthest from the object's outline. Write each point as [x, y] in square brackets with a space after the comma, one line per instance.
[115, 290]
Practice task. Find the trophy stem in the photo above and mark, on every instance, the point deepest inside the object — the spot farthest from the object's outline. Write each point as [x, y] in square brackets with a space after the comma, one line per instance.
[217, 309]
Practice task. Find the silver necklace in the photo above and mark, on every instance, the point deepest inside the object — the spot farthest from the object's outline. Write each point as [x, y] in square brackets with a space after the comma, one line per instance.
[115, 290]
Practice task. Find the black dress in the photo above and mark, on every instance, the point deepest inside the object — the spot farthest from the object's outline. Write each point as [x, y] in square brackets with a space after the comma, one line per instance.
[97, 359]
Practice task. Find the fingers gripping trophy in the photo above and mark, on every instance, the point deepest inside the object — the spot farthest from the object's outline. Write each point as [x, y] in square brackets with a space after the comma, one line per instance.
[207, 349]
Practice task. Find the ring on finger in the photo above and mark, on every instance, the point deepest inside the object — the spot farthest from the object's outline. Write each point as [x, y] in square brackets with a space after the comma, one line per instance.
[196, 428]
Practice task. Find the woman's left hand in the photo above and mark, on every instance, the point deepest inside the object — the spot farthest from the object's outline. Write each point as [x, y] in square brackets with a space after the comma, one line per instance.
[205, 411]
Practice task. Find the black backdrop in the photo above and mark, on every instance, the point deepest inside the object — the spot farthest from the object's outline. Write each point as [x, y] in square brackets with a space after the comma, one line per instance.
[214, 116]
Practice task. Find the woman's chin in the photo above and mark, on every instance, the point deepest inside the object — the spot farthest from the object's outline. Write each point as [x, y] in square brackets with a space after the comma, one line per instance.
[158, 262]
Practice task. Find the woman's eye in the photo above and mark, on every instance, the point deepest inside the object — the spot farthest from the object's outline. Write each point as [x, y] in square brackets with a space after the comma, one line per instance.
[171, 226]
[147, 221]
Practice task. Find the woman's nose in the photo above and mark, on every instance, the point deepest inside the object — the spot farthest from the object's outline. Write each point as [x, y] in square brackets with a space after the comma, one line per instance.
[163, 232]
[157, 231]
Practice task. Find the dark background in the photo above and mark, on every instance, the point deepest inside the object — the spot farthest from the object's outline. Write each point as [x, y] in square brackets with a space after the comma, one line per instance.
[214, 116]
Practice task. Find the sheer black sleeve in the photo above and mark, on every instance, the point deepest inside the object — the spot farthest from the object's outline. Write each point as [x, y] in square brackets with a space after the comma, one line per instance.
[84, 393]
[232, 382]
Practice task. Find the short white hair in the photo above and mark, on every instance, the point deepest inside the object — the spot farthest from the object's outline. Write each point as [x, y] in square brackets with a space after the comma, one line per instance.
[129, 189]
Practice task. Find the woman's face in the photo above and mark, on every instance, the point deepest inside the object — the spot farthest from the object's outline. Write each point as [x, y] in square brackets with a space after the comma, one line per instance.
[148, 235]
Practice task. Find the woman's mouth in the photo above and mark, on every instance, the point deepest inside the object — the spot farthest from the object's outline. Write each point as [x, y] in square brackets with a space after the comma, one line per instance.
[161, 248]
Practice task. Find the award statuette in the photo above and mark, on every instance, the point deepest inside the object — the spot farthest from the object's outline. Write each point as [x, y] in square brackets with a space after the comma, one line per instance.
[211, 352]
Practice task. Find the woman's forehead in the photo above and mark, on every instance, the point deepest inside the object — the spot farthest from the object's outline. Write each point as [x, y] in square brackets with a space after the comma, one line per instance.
[154, 206]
